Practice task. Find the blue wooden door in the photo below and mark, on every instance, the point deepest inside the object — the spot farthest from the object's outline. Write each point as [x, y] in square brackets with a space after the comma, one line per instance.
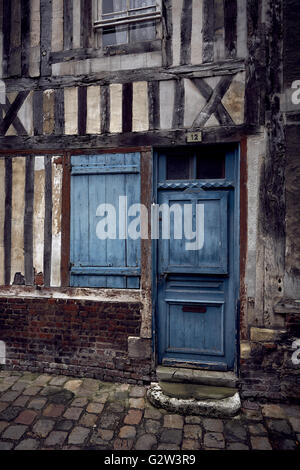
[197, 272]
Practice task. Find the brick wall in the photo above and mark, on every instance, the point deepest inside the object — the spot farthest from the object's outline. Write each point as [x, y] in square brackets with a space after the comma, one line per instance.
[101, 340]
[267, 371]
[75, 337]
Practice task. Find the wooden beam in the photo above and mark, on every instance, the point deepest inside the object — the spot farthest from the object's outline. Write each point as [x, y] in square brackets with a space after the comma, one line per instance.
[28, 221]
[6, 28]
[230, 17]
[48, 221]
[82, 110]
[186, 32]
[208, 31]
[46, 36]
[25, 36]
[225, 67]
[152, 138]
[178, 112]
[167, 33]
[65, 221]
[153, 100]
[38, 112]
[68, 24]
[105, 108]
[127, 107]
[7, 220]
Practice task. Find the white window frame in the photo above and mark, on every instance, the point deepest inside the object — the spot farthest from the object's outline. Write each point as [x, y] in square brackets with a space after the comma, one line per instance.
[141, 17]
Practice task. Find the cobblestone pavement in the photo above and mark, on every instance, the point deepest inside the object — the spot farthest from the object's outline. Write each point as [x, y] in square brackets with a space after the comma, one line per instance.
[39, 411]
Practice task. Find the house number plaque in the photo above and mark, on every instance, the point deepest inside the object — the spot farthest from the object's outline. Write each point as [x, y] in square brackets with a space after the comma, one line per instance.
[193, 137]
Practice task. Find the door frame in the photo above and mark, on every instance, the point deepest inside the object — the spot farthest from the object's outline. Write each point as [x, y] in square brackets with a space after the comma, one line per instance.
[240, 199]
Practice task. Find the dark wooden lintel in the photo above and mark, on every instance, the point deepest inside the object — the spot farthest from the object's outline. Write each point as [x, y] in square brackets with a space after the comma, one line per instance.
[152, 138]
[226, 67]
[92, 53]
[287, 306]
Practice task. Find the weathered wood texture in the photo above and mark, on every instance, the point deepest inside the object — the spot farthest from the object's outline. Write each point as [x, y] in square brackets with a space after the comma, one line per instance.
[256, 75]
[25, 36]
[30, 242]
[292, 175]
[149, 138]
[46, 36]
[7, 220]
[48, 222]
[186, 32]
[68, 24]
[230, 21]
[65, 220]
[131, 106]
[28, 221]
[208, 31]
[291, 72]
[57, 37]
[291, 42]
[272, 195]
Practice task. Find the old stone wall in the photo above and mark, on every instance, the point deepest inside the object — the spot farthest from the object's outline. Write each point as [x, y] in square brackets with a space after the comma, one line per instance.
[269, 369]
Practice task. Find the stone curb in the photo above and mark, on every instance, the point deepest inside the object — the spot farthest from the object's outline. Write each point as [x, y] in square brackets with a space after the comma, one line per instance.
[225, 408]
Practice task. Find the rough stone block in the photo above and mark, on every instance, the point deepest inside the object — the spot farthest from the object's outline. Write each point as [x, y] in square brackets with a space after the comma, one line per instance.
[139, 348]
[264, 335]
[245, 349]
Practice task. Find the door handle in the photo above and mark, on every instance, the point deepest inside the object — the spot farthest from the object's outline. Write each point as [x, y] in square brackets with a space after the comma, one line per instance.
[163, 276]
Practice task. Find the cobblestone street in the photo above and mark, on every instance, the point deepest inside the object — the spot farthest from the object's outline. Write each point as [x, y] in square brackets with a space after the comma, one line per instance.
[60, 412]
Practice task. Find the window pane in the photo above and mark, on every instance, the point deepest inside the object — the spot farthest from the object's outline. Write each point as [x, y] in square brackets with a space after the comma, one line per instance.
[142, 32]
[143, 4]
[110, 6]
[138, 32]
[211, 163]
[114, 35]
[178, 167]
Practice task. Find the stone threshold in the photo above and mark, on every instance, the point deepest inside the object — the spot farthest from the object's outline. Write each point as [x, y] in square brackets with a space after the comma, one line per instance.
[195, 376]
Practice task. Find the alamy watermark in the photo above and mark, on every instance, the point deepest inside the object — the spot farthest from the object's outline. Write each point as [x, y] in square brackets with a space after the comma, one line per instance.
[290, 98]
[296, 93]
[179, 222]
[296, 354]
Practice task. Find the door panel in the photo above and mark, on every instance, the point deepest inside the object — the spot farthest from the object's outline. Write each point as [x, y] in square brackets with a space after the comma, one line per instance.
[192, 321]
[207, 212]
[188, 325]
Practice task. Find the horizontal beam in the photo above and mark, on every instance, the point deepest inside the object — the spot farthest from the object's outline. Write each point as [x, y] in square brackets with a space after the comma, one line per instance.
[135, 139]
[105, 271]
[226, 67]
[104, 169]
[107, 51]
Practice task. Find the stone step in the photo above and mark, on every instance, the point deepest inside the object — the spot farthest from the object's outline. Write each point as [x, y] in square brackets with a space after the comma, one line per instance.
[196, 391]
[214, 408]
[195, 376]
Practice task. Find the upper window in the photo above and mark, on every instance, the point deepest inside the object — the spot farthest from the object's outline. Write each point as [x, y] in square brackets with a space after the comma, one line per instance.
[196, 164]
[127, 21]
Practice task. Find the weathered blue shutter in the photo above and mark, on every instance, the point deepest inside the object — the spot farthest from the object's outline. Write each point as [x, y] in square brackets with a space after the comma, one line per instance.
[95, 180]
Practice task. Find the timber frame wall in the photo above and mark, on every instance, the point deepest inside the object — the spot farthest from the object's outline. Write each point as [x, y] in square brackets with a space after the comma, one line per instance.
[215, 67]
